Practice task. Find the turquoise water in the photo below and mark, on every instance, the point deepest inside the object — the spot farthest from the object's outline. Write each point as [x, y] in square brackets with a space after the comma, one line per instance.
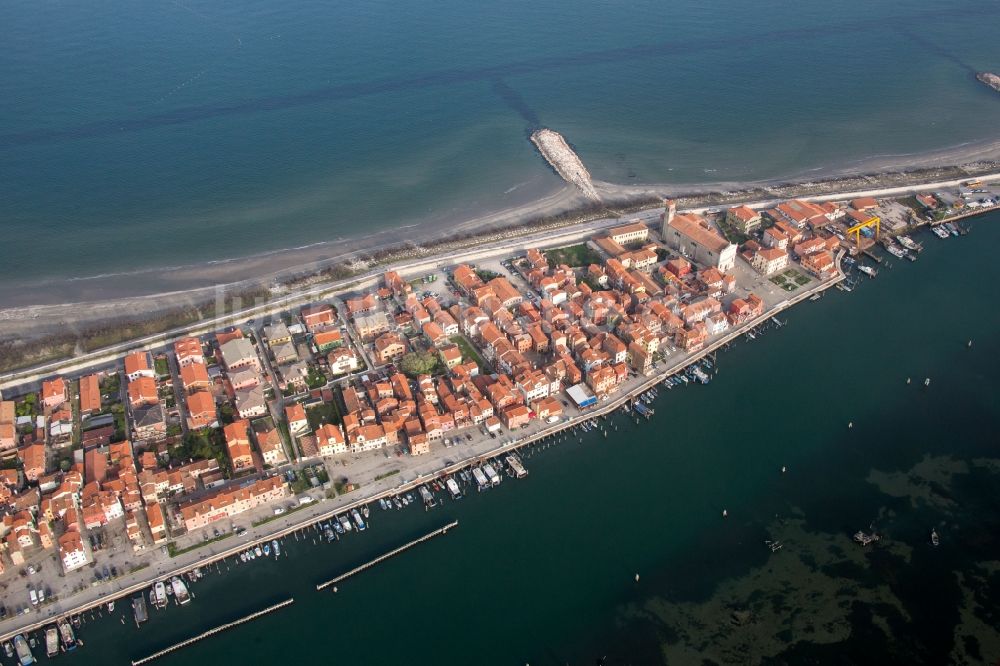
[541, 570]
[139, 136]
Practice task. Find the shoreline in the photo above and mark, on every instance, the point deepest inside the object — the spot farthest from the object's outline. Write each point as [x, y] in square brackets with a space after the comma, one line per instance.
[196, 557]
[151, 290]
[73, 353]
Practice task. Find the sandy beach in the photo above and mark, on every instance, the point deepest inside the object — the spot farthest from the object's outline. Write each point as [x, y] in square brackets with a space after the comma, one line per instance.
[81, 303]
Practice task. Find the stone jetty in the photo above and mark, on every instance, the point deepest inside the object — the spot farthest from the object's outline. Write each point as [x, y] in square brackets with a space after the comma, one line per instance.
[567, 164]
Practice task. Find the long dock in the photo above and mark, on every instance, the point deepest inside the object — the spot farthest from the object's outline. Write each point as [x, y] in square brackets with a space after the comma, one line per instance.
[212, 632]
[381, 558]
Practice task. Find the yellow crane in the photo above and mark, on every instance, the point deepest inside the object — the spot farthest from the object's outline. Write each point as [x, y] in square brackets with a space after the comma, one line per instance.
[873, 221]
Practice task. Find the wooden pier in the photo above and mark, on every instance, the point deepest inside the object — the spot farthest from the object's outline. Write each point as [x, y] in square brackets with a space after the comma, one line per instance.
[386, 556]
[212, 632]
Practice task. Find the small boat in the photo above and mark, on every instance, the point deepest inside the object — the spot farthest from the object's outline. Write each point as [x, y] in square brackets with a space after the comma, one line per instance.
[67, 636]
[908, 243]
[409, 498]
[111, 606]
[405, 500]
[139, 610]
[398, 502]
[935, 539]
[364, 511]
[337, 526]
[453, 489]
[345, 523]
[358, 521]
[51, 642]
[257, 551]
[864, 539]
[381, 503]
[24, 655]
[330, 535]
[867, 270]
[9, 649]
[940, 231]
[181, 595]
[276, 547]
[243, 557]
[927, 381]
[427, 497]
[267, 549]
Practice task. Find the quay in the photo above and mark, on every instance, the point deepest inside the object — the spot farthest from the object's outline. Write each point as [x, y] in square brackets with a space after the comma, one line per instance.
[212, 632]
[606, 407]
[392, 553]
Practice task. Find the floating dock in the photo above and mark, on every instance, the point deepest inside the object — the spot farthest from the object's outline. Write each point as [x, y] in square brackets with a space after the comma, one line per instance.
[381, 558]
[212, 632]
[564, 160]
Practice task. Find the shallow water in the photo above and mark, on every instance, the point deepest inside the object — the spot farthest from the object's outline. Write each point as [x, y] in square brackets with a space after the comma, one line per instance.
[150, 136]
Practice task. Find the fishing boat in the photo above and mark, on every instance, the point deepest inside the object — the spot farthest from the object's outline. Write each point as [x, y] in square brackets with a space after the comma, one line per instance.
[935, 539]
[480, 478]
[700, 374]
[345, 523]
[427, 497]
[67, 636]
[181, 595]
[516, 467]
[867, 270]
[952, 229]
[51, 642]
[864, 539]
[453, 489]
[24, 655]
[276, 547]
[358, 521]
[908, 243]
[491, 474]
[139, 610]
[940, 231]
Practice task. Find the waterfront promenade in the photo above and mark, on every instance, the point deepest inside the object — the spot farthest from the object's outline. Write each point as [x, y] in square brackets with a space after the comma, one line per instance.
[442, 461]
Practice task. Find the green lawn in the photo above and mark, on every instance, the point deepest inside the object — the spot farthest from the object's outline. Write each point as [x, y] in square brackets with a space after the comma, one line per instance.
[321, 414]
[573, 255]
[469, 352]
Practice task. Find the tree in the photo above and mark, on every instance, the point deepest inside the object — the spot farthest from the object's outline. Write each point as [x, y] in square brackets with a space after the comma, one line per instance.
[418, 363]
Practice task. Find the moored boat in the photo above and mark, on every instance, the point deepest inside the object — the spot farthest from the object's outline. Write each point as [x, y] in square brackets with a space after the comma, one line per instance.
[276, 547]
[67, 636]
[139, 610]
[180, 591]
[24, 655]
[51, 641]
[358, 521]
[453, 489]
[345, 523]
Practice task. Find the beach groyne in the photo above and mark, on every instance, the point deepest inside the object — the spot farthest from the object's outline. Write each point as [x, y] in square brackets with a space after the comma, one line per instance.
[213, 631]
[385, 556]
[564, 160]
[989, 79]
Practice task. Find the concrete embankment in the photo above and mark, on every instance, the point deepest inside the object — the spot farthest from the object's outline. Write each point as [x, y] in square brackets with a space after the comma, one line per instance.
[567, 163]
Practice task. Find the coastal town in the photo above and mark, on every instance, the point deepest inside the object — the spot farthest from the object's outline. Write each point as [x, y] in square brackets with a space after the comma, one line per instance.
[116, 473]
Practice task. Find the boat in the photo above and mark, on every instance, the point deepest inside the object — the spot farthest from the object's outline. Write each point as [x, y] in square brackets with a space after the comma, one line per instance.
[480, 478]
[700, 374]
[267, 549]
[139, 610]
[330, 535]
[940, 231]
[243, 557]
[409, 498]
[24, 655]
[491, 474]
[452, 487]
[358, 522]
[516, 467]
[180, 591]
[257, 551]
[67, 636]
[398, 502]
[337, 527]
[935, 539]
[381, 503]
[364, 511]
[111, 606]
[345, 523]
[276, 547]
[643, 410]
[894, 250]
[952, 229]
[51, 642]
[427, 497]
[908, 243]
[867, 270]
